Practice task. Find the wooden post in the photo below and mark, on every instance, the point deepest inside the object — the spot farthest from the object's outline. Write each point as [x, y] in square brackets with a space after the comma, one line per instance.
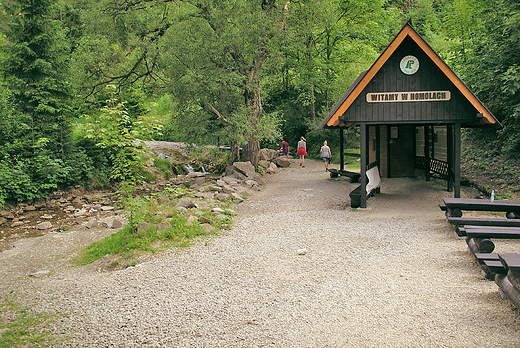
[427, 151]
[341, 150]
[363, 164]
[378, 147]
[450, 154]
[507, 289]
[456, 159]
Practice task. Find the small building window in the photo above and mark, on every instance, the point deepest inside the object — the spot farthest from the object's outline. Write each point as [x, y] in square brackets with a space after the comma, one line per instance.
[394, 132]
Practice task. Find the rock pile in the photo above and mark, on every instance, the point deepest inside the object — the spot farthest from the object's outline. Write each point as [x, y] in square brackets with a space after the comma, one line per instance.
[92, 210]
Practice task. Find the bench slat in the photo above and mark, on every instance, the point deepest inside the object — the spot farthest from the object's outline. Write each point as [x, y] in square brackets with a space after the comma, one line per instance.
[495, 266]
[483, 221]
[482, 204]
[481, 257]
[492, 234]
[510, 261]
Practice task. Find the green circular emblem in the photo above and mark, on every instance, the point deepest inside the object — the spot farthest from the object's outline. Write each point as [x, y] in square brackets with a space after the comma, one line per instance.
[409, 65]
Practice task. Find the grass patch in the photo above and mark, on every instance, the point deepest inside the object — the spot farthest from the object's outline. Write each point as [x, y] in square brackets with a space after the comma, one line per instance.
[23, 327]
[350, 162]
[158, 227]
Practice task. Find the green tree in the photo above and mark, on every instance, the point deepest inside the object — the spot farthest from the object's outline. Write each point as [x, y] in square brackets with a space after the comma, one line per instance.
[36, 134]
[114, 129]
[217, 61]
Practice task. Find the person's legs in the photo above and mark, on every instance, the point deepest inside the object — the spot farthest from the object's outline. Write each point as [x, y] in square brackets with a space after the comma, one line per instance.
[303, 161]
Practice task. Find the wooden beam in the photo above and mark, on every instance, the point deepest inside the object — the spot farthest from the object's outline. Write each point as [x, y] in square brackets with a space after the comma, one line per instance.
[427, 151]
[456, 159]
[450, 154]
[363, 164]
[341, 150]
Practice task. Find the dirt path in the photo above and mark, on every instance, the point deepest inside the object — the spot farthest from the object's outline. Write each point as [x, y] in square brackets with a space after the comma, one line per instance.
[298, 269]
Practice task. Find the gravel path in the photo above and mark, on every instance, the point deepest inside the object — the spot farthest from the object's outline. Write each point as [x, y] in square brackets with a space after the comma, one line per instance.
[394, 275]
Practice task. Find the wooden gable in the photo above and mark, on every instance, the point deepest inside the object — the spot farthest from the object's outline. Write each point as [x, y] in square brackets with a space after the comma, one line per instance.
[386, 95]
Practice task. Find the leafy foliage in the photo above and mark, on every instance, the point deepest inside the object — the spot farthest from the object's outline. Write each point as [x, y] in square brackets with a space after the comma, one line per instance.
[214, 72]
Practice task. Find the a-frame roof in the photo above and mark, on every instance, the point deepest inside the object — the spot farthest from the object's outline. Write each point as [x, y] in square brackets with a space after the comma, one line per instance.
[333, 119]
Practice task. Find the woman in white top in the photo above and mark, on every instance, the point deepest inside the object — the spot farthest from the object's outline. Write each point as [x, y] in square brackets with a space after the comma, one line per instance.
[326, 154]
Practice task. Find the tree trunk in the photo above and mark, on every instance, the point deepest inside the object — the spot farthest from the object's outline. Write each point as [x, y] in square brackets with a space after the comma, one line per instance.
[254, 103]
[252, 151]
[235, 152]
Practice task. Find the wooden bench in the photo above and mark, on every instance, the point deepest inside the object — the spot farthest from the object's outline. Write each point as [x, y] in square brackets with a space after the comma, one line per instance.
[372, 187]
[509, 284]
[490, 264]
[454, 206]
[354, 177]
[497, 232]
[483, 221]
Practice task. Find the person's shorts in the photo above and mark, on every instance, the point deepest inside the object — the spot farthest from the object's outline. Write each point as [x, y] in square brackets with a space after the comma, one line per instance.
[325, 159]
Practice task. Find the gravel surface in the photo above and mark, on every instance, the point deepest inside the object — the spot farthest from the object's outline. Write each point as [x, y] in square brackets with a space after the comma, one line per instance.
[298, 269]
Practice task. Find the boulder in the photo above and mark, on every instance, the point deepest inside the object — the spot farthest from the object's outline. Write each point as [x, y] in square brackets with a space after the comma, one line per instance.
[282, 162]
[209, 228]
[184, 211]
[112, 222]
[44, 225]
[227, 189]
[237, 198]
[244, 167]
[273, 168]
[214, 188]
[80, 212]
[230, 180]
[222, 197]
[195, 175]
[267, 154]
[191, 220]
[144, 226]
[196, 212]
[163, 226]
[264, 164]
[92, 223]
[256, 177]
[204, 220]
[186, 203]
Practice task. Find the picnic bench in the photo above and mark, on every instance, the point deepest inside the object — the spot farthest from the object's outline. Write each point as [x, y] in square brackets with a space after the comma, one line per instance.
[478, 237]
[498, 232]
[504, 269]
[490, 264]
[354, 177]
[483, 221]
[509, 284]
[454, 206]
[372, 186]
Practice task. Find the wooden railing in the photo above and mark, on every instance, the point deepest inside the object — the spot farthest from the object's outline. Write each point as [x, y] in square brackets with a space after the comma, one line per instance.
[439, 167]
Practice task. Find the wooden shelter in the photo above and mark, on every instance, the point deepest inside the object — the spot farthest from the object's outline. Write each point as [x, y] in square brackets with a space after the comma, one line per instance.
[410, 107]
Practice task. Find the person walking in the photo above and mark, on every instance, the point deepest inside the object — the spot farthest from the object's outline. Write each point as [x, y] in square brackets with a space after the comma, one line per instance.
[284, 149]
[326, 155]
[302, 151]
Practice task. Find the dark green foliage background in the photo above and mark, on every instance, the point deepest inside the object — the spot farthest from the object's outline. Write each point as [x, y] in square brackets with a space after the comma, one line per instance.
[188, 65]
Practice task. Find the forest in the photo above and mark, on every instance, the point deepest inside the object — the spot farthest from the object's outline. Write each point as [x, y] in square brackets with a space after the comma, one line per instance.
[84, 80]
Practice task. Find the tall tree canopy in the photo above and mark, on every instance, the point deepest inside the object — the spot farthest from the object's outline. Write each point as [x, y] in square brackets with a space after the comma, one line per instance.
[242, 72]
